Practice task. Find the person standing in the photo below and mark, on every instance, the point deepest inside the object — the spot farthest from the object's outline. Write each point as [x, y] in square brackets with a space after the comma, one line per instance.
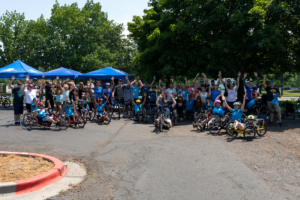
[272, 100]
[119, 92]
[251, 87]
[30, 93]
[171, 91]
[18, 99]
[192, 90]
[146, 89]
[49, 93]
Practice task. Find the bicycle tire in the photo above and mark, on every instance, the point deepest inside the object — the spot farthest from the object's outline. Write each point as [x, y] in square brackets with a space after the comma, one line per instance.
[263, 110]
[262, 133]
[81, 121]
[6, 103]
[161, 124]
[230, 131]
[24, 124]
[119, 109]
[249, 132]
[64, 122]
[215, 126]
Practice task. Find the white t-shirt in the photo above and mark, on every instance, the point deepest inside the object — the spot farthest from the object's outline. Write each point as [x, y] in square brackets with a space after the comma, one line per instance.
[29, 96]
[203, 97]
[65, 94]
[231, 95]
[170, 91]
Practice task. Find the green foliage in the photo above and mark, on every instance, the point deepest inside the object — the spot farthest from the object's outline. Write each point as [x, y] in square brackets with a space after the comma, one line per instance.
[183, 37]
[81, 39]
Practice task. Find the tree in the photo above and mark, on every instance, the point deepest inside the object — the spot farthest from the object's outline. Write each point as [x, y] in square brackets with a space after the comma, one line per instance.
[183, 37]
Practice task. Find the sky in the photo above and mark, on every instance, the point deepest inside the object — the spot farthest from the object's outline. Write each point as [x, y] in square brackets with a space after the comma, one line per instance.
[120, 11]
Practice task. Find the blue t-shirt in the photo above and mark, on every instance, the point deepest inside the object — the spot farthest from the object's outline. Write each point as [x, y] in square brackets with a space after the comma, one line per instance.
[137, 108]
[42, 113]
[236, 114]
[270, 92]
[184, 93]
[209, 106]
[98, 92]
[214, 94]
[161, 103]
[69, 110]
[251, 104]
[152, 96]
[275, 100]
[249, 91]
[219, 111]
[167, 109]
[108, 92]
[100, 108]
[136, 91]
[189, 104]
[145, 89]
[33, 108]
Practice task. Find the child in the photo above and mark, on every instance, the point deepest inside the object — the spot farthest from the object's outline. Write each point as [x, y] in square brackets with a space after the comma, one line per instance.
[208, 104]
[34, 107]
[59, 99]
[100, 108]
[42, 113]
[69, 110]
[241, 126]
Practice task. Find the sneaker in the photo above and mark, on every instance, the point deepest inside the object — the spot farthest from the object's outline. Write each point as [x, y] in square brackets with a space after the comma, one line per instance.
[270, 123]
[16, 123]
[280, 124]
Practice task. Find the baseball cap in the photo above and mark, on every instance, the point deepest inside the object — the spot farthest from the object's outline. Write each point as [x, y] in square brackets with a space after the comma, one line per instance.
[19, 83]
[251, 80]
[34, 98]
[145, 82]
[120, 80]
[271, 82]
[107, 84]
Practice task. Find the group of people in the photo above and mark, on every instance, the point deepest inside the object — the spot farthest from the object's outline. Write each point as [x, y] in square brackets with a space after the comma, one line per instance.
[180, 100]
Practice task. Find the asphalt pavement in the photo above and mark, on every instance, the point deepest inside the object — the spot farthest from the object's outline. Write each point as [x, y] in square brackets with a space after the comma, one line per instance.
[127, 160]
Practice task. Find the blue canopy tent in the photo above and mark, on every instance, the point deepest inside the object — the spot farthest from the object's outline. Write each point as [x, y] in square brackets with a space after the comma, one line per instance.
[62, 72]
[106, 73]
[17, 69]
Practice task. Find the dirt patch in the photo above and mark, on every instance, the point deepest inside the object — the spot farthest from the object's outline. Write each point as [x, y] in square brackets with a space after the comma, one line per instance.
[15, 167]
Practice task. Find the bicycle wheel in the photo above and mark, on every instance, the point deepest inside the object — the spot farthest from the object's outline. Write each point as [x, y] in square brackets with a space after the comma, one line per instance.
[230, 129]
[64, 122]
[161, 124]
[214, 124]
[262, 132]
[119, 110]
[81, 121]
[249, 132]
[263, 110]
[6, 103]
[25, 121]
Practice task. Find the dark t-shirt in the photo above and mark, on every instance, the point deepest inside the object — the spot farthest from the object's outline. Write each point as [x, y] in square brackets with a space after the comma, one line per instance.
[197, 104]
[226, 93]
[180, 105]
[48, 91]
[270, 92]
[145, 89]
[120, 91]
[80, 91]
[18, 95]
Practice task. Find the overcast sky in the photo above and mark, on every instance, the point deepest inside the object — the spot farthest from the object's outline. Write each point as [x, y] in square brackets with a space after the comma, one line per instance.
[120, 11]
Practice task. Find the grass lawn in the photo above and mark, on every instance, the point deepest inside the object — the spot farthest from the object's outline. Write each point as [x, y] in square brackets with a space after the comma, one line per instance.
[288, 93]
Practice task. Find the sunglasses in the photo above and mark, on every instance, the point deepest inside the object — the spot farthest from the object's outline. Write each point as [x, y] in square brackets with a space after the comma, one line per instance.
[19, 84]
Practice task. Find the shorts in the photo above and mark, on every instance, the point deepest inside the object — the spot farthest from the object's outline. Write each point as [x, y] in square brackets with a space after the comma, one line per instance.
[273, 107]
[121, 100]
[240, 126]
[28, 107]
[180, 113]
[59, 103]
[44, 118]
[18, 108]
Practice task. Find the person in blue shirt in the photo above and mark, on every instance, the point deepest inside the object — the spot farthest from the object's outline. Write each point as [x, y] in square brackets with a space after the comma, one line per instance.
[153, 96]
[250, 88]
[184, 92]
[215, 93]
[208, 104]
[189, 106]
[249, 106]
[137, 105]
[107, 93]
[167, 108]
[135, 87]
[100, 108]
[41, 113]
[98, 91]
[237, 110]
[273, 93]
[146, 89]
[69, 110]
[34, 105]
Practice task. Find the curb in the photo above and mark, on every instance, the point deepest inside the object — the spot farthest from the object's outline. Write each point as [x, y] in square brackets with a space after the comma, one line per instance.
[37, 182]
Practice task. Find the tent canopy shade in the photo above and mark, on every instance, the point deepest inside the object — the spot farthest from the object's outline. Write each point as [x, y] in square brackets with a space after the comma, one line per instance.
[62, 72]
[106, 73]
[17, 69]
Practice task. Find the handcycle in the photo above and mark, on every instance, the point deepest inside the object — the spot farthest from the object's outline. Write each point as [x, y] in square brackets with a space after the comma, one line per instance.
[260, 128]
[104, 118]
[201, 119]
[28, 120]
[80, 120]
[215, 123]
[5, 101]
[161, 122]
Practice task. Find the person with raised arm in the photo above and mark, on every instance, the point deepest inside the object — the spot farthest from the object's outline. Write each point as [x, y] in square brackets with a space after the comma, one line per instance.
[146, 89]
[18, 98]
[30, 93]
[107, 92]
[167, 108]
[162, 89]
[192, 88]
[250, 88]
[119, 92]
[231, 91]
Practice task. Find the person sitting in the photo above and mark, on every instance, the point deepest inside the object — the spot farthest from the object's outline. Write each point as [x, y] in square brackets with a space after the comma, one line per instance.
[189, 110]
[137, 105]
[237, 111]
[167, 110]
[69, 110]
[100, 107]
[41, 113]
[241, 126]
[208, 104]
[252, 102]
[34, 106]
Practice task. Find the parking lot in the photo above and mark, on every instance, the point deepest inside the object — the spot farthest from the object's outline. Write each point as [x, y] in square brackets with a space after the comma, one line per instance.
[127, 160]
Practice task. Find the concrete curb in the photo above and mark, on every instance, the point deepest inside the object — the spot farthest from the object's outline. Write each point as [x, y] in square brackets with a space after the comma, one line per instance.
[37, 182]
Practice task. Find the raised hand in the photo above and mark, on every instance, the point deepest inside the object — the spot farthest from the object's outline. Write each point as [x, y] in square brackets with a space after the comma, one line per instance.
[57, 77]
[138, 78]
[245, 75]
[126, 77]
[245, 95]
[43, 76]
[112, 78]
[255, 73]
[204, 75]
[265, 75]
[159, 80]
[68, 79]
[239, 74]
[172, 79]
[220, 74]
[197, 74]
[185, 78]
[27, 77]
[13, 78]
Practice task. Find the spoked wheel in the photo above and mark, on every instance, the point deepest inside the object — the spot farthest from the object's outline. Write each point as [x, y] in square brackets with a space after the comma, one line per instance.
[6, 103]
[262, 132]
[81, 121]
[64, 122]
[263, 110]
[214, 124]
[109, 119]
[119, 110]
[26, 121]
[144, 117]
[249, 132]
[161, 125]
[230, 130]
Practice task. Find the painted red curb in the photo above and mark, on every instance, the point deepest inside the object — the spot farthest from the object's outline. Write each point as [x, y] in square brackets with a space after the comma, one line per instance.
[38, 182]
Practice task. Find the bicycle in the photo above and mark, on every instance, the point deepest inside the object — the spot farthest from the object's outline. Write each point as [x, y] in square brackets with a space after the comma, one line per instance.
[119, 105]
[5, 101]
[160, 123]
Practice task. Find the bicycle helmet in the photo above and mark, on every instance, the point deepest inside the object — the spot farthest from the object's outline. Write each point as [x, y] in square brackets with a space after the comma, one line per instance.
[107, 84]
[250, 117]
[217, 101]
[236, 103]
[68, 102]
[138, 101]
[80, 100]
[40, 104]
[98, 100]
